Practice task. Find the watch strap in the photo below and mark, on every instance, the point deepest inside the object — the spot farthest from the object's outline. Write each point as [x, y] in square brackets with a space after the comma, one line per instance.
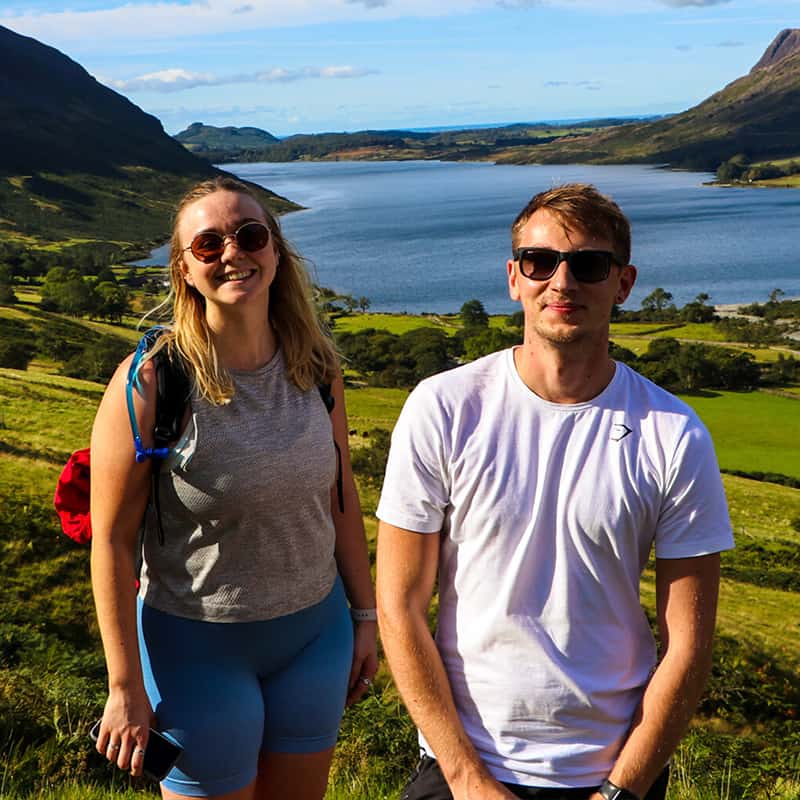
[364, 614]
[610, 791]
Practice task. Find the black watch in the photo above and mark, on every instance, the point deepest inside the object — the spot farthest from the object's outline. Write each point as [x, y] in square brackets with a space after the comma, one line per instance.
[611, 791]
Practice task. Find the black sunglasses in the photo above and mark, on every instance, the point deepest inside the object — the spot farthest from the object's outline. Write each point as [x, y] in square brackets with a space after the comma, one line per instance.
[209, 245]
[540, 263]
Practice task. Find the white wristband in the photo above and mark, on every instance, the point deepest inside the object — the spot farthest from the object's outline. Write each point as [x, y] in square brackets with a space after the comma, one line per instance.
[364, 614]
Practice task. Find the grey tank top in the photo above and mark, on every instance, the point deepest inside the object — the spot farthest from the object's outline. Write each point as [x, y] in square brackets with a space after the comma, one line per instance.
[246, 506]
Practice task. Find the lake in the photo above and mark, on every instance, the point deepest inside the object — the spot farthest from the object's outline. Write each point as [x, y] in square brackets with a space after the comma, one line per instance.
[421, 236]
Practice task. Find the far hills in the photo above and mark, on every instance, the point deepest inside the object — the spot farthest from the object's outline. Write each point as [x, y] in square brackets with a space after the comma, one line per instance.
[756, 117]
[226, 145]
[80, 165]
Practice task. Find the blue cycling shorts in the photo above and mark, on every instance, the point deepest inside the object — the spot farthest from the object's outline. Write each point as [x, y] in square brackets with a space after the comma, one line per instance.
[228, 691]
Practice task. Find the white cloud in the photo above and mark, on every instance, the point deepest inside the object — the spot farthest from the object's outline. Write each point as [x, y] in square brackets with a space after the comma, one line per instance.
[512, 4]
[155, 25]
[591, 86]
[172, 20]
[165, 20]
[178, 80]
[730, 43]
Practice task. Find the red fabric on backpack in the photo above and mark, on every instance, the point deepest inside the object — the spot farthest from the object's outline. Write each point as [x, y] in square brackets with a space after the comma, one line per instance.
[72, 497]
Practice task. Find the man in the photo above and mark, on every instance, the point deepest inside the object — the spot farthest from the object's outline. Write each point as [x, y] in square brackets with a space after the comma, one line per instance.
[532, 484]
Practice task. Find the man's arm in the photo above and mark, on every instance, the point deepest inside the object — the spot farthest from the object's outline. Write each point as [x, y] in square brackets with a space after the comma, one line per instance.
[407, 564]
[686, 600]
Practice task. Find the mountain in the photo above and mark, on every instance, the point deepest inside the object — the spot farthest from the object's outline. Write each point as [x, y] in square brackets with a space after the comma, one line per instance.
[757, 115]
[208, 138]
[784, 44]
[79, 161]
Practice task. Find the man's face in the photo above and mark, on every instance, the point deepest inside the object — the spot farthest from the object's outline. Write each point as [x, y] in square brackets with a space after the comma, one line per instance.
[561, 310]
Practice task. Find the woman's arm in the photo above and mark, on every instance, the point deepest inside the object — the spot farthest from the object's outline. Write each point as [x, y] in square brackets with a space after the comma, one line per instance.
[352, 557]
[119, 492]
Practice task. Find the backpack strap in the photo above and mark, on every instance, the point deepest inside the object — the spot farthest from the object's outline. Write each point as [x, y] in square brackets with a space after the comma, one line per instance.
[330, 402]
[172, 393]
[142, 452]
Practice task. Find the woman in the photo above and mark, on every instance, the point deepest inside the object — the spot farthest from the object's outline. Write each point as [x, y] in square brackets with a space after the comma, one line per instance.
[240, 644]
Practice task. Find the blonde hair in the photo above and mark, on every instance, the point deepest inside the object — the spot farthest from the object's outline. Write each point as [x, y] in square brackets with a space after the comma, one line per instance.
[580, 206]
[308, 350]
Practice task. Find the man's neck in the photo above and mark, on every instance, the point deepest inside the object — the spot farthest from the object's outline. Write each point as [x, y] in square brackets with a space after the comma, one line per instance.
[562, 375]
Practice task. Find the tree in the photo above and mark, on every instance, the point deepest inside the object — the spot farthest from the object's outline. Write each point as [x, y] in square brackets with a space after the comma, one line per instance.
[363, 304]
[98, 360]
[15, 355]
[732, 169]
[489, 340]
[662, 349]
[695, 369]
[369, 462]
[697, 310]
[106, 275]
[658, 301]
[7, 296]
[77, 297]
[473, 315]
[114, 301]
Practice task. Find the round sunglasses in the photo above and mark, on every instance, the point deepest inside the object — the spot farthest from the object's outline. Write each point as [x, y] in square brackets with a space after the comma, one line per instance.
[541, 263]
[209, 246]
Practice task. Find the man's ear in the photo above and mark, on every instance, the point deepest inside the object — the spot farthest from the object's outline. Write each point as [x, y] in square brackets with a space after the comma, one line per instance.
[513, 279]
[627, 278]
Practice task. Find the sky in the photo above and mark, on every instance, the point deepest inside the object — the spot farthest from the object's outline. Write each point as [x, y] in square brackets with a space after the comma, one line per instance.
[308, 66]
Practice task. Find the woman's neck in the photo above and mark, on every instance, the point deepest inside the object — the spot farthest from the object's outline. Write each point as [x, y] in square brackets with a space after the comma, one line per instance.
[243, 341]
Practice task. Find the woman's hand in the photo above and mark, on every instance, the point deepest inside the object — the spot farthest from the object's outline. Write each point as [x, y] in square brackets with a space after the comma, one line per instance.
[365, 660]
[124, 730]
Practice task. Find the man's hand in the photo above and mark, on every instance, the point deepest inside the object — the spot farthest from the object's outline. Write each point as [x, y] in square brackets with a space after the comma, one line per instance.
[483, 788]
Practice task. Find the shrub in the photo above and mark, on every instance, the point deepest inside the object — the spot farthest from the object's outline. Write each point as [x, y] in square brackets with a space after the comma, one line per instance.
[15, 355]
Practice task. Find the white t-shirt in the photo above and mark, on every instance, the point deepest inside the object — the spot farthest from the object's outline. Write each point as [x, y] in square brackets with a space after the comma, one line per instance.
[548, 513]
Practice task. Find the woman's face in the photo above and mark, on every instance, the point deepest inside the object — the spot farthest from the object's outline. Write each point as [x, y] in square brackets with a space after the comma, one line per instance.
[236, 276]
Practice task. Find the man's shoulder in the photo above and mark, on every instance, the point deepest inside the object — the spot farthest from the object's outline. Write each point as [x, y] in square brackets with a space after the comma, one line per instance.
[659, 409]
[657, 398]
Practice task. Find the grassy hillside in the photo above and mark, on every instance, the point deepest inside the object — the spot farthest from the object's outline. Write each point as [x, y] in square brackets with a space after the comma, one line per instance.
[51, 667]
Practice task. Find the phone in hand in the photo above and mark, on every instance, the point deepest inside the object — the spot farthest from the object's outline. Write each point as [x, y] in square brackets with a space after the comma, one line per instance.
[160, 754]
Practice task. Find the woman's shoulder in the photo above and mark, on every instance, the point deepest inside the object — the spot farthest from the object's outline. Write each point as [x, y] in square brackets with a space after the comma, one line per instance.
[142, 378]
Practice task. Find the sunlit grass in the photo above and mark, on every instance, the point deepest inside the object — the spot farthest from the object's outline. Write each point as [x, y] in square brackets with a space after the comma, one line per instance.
[372, 407]
[394, 323]
[642, 328]
[752, 431]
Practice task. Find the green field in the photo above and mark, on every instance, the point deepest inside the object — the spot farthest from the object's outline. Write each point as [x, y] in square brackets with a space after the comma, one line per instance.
[752, 431]
[51, 674]
[394, 323]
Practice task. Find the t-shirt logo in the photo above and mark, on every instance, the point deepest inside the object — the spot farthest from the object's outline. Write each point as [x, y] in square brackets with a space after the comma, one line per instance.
[619, 431]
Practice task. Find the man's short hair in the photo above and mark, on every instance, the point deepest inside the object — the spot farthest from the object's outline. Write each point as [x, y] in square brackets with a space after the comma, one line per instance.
[579, 206]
